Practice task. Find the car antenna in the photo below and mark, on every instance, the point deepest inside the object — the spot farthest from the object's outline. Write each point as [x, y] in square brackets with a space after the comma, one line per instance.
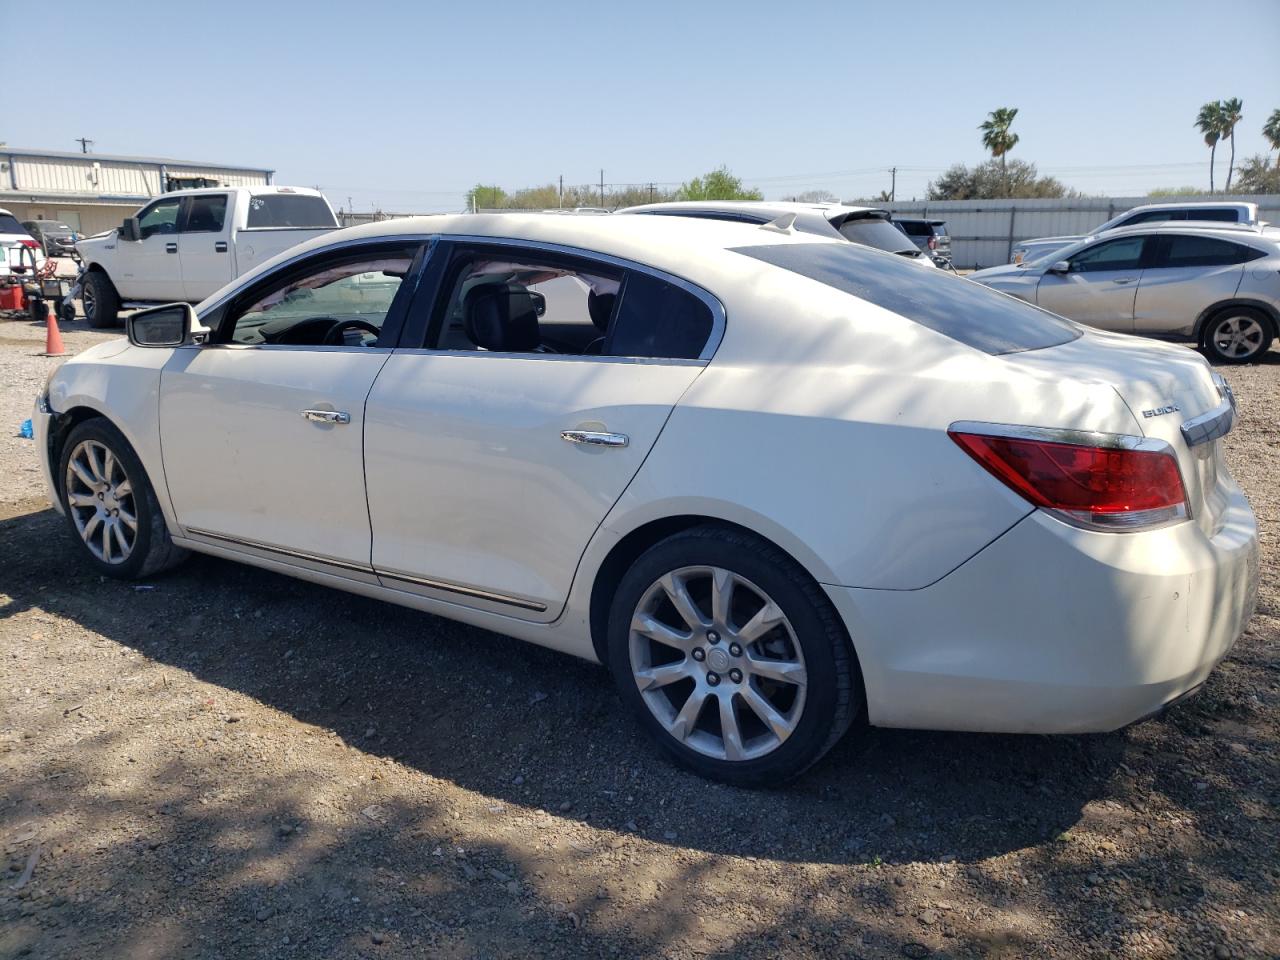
[782, 225]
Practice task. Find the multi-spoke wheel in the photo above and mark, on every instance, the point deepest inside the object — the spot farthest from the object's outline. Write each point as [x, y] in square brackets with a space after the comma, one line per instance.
[1237, 335]
[732, 656]
[101, 501]
[110, 505]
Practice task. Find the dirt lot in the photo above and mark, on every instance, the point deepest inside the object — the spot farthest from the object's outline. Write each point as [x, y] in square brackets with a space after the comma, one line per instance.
[228, 763]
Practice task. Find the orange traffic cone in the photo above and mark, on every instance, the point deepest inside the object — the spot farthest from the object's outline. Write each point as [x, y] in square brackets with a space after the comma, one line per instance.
[53, 338]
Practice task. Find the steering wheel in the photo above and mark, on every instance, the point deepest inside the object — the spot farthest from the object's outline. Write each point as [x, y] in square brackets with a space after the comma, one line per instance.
[334, 338]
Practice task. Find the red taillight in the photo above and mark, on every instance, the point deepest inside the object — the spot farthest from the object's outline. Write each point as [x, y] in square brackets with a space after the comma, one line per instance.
[33, 244]
[1111, 488]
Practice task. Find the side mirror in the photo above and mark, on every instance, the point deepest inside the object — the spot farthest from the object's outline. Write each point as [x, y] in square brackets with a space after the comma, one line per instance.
[1062, 266]
[167, 326]
[129, 230]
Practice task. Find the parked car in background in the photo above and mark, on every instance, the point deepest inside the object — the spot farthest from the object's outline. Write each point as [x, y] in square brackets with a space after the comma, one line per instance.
[746, 468]
[186, 244]
[868, 226]
[929, 235]
[1217, 285]
[20, 249]
[56, 238]
[1026, 251]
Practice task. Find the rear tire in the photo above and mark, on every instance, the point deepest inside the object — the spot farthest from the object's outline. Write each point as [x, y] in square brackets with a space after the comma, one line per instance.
[1237, 335]
[762, 686]
[110, 506]
[101, 301]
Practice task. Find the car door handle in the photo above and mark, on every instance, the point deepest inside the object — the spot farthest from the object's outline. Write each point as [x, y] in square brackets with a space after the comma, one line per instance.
[326, 416]
[595, 438]
[220, 246]
[1124, 280]
[170, 248]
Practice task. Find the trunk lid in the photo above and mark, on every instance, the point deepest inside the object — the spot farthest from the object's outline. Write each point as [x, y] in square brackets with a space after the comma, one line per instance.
[1164, 386]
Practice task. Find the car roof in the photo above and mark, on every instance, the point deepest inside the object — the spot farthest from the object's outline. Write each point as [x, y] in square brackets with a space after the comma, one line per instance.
[776, 208]
[1198, 227]
[1209, 204]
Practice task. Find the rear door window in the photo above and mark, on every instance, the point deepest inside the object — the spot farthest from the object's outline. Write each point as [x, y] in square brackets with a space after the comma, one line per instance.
[659, 319]
[1204, 252]
[967, 312]
[289, 210]
[206, 213]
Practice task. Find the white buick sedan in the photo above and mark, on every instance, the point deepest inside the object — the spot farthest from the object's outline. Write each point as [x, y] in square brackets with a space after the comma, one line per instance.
[777, 483]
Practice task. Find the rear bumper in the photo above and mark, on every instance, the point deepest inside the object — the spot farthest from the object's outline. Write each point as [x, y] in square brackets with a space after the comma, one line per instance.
[1052, 629]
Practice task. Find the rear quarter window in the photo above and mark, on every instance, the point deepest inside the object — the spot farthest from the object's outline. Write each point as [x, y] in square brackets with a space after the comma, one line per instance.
[963, 310]
[659, 319]
[289, 210]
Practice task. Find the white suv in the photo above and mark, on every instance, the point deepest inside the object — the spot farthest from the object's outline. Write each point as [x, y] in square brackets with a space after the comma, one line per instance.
[1027, 250]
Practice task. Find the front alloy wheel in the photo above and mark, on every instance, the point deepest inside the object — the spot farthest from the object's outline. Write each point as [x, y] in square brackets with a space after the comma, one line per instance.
[717, 663]
[101, 502]
[732, 657]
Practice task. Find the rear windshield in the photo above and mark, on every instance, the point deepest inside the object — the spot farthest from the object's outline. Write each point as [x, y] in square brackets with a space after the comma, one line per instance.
[877, 233]
[289, 210]
[915, 228]
[957, 308]
[10, 224]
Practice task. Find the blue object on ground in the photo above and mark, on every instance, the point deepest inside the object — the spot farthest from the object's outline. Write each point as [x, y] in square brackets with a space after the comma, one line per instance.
[25, 431]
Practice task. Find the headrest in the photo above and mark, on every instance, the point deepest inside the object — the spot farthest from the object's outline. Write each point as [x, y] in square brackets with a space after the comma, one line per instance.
[600, 306]
[501, 318]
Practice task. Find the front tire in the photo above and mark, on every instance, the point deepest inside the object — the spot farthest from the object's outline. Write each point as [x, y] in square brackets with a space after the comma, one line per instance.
[1237, 335]
[732, 657]
[100, 300]
[110, 506]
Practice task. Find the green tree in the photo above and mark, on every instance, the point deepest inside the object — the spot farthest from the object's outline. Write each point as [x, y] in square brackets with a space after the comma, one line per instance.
[1271, 130]
[1174, 192]
[1209, 122]
[1231, 115]
[719, 184]
[814, 196]
[997, 137]
[486, 197]
[992, 180]
[1258, 175]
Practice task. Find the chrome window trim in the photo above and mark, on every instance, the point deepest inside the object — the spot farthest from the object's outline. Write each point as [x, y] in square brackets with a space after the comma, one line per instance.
[1210, 426]
[569, 357]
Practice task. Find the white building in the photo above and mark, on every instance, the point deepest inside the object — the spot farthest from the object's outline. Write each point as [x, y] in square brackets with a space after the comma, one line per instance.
[95, 191]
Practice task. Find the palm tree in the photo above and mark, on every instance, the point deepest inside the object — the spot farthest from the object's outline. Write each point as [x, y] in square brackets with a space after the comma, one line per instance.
[1271, 130]
[1231, 114]
[1209, 122]
[997, 138]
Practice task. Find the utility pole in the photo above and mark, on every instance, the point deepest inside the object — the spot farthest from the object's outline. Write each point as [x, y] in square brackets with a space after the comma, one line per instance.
[602, 186]
[893, 185]
[651, 193]
[84, 144]
[562, 191]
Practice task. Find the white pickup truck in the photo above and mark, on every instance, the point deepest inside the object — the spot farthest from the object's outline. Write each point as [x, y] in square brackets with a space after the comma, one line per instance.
[186, 244]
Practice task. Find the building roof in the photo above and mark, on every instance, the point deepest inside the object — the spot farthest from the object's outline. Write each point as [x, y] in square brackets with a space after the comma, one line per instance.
[118, 158]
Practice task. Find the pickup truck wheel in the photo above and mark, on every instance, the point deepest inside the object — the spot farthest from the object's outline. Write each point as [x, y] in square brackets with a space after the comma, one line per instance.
[110, 505]
[101, 302]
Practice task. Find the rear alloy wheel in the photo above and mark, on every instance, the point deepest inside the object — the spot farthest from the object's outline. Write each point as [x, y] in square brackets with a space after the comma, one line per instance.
[110, 506]
[732, 657]
[1237, 335]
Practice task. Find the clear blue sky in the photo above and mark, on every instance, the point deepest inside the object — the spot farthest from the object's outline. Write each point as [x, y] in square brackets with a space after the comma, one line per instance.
[406, 105]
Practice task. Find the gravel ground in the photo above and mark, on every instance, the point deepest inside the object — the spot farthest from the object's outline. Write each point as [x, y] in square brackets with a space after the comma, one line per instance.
[230, 763]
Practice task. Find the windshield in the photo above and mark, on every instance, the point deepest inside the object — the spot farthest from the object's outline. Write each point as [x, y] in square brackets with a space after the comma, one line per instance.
[965, 311]
[878, 233]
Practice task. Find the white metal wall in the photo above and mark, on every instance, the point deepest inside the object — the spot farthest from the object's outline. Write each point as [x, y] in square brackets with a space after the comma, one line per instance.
[109, 178]
[983, 231]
